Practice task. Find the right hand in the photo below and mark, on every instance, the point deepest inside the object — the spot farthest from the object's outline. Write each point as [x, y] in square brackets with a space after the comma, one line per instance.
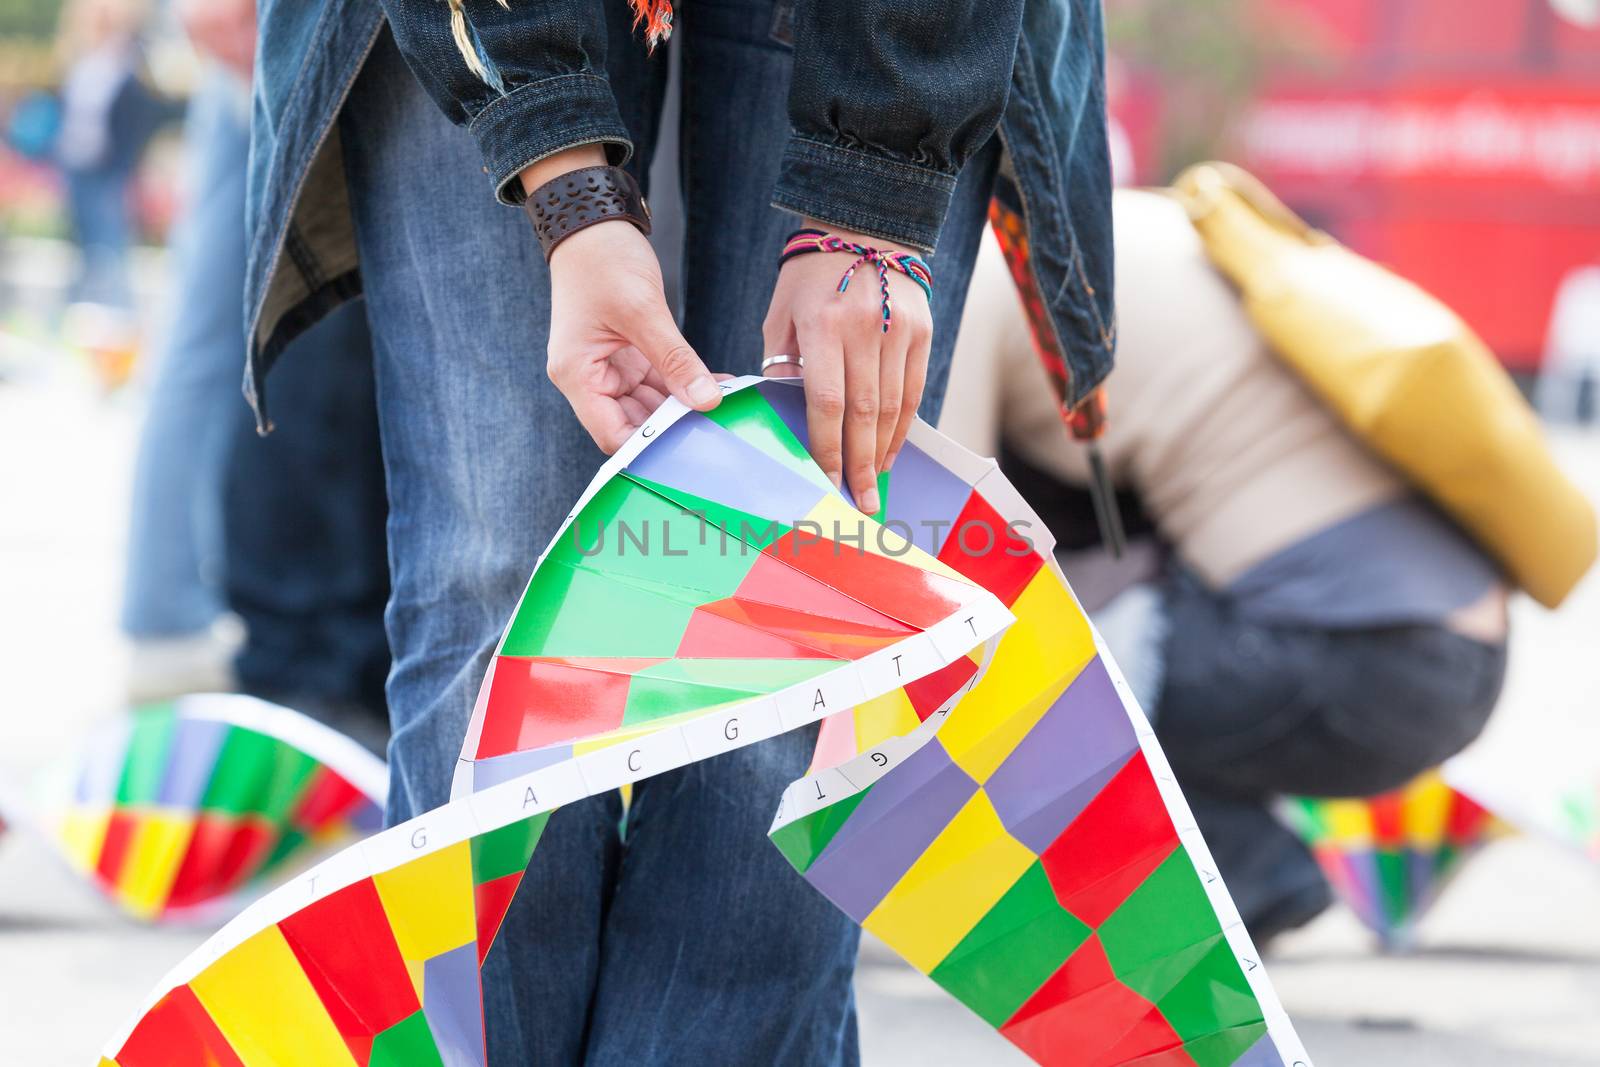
[615, 351]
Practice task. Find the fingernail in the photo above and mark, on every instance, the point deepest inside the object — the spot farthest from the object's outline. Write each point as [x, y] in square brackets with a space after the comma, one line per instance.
[869, 501]
[833, 476]
[703, 391]
[888, 461]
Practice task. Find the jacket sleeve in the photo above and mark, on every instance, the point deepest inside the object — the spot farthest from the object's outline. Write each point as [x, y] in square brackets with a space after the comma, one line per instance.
[889, 100]
[538, 84]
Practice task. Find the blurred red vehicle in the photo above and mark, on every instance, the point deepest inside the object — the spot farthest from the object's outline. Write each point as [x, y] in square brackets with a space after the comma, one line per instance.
[1457, 141]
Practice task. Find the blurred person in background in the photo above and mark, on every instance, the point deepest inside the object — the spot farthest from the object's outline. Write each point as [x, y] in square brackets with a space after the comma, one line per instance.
[286, 535]
[107, 117]
[1298, 619]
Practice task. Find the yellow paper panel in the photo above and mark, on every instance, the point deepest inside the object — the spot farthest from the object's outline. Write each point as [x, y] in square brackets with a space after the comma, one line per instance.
[154, 855]
[890, 715]
[81, 832]
[417, 970]
[1349, 822]
[951, 886]
[1045, 649]
[429, 902]
[1425, 809]
[262, 1002]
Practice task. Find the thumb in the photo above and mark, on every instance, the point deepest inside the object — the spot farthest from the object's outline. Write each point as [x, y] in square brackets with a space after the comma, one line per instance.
[653, 333]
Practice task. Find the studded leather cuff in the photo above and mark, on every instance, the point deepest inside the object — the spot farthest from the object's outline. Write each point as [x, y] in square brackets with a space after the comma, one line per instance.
[564, 205]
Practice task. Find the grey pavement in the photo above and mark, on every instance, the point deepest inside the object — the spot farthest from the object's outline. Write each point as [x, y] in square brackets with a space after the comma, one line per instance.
[1508, 971]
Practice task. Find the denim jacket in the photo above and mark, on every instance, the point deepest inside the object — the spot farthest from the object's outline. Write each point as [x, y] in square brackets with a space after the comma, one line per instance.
[888, 101]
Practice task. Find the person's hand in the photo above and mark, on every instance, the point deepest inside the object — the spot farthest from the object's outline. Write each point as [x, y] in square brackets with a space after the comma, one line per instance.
[615, 351]
[222, 29]
[862, 385]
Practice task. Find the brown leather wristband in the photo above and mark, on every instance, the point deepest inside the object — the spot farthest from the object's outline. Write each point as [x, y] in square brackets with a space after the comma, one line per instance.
[580, 198]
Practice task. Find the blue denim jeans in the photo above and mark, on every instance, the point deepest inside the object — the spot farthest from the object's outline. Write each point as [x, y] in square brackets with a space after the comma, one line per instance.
[691, 940]
[175, 540]
[1250, 710]
[287, 532]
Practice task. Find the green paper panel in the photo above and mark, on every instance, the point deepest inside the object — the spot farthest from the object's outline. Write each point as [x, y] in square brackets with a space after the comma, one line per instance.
[408, 1043]
[1308, 819]
[292, 771]
[650, 699]
[246, 767]
[754, 532]
[747, 414]
[1162, 928]
[678, 686]
[633, 533]
[883, 496]
[745, 675]
[1394, 875]
[1214, 999]
[1012, 950]
[144, 764]
[506, 850]
[287, 845]
[804, 839]
[576, 612]
[1223, 1049]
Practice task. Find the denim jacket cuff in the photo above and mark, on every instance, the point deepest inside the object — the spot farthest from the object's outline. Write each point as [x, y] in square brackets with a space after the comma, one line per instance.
[545, 117]
[863, 191]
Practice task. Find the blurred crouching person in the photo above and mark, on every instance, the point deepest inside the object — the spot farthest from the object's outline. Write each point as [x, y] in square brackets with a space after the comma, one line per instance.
[1297, 618]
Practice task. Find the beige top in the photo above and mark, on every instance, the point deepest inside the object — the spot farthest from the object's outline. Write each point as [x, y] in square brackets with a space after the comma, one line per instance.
[1233, 457]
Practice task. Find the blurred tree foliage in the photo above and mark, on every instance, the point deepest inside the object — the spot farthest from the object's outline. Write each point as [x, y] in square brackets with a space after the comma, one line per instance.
[32, 19]
[1209, 57]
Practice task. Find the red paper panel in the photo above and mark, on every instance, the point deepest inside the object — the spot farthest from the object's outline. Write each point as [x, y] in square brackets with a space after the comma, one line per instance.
[177, 1031]
[927, 693]
[325, 800]
[346, 947]
[982, 547]
[720, 631]
[492, 899]
[223, 851]
[772, 581]
[910, 595]
[114, 848]
[1084, 1017]
[538, 702]
[1112, 846]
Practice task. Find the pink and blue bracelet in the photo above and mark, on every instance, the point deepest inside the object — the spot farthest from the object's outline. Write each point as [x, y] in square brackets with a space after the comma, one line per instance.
[803, 242]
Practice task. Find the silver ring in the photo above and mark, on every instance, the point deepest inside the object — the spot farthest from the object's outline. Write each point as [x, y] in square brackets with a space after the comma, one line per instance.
[774, 361]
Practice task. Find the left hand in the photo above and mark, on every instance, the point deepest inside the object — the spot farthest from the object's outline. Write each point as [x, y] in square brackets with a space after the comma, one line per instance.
[862, 385]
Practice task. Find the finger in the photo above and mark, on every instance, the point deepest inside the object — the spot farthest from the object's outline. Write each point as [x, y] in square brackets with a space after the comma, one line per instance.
[784, 370]
[824, 382]
[891, 389]
[916, 380]
[635, 411]
[861, 360]
[652, 331]
[592, 391]
[778, 338]
[644, 394]
[606, 420]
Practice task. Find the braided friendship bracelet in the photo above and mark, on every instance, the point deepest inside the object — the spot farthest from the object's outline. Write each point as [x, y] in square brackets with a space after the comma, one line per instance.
[802, 242]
